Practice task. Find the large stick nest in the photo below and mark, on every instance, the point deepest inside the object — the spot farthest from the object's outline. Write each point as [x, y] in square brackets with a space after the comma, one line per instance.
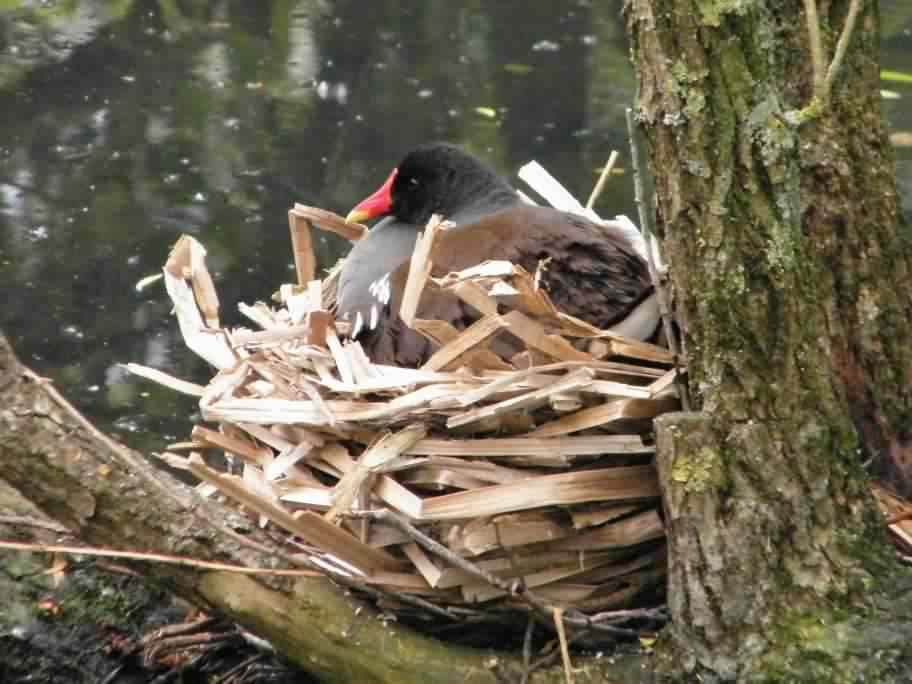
[475, 484]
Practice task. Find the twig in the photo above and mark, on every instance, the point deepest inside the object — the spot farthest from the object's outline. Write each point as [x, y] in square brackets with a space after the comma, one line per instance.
[841, 47]
[646, 226]
[154, 558]
[565, 651]
[158, 649]
[580, 620]
[178, 630]
[658, 614]
[419, 602]
[33, 522]
[527, 650]
[420, 538]
[310, 571]
[240, 668]
[409, 599]
[603, 178]
[512, 588]
[551, 651]
[824, 78]
[813, 22]
[354, 584]
[576, 620]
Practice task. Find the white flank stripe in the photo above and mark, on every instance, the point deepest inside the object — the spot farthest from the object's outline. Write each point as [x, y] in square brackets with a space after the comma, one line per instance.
[374, 316]
[359, 323]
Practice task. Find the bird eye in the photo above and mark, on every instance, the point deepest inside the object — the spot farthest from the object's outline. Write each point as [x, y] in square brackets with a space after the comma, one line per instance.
[413, 182]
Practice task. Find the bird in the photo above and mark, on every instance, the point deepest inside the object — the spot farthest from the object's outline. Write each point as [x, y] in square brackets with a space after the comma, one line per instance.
[592, 271]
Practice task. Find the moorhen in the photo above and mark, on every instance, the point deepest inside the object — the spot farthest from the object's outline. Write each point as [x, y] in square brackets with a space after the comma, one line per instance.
[592, 271]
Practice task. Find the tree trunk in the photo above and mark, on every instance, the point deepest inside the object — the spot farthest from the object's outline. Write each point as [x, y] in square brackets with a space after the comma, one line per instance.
[778, 213]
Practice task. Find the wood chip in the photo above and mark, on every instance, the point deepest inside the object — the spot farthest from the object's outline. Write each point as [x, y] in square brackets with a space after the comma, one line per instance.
[309, 526]
[302, 247]
[605, 414]
[476, 296]
[243, 448]
[534, 335]
[517, 529]
[328, 221]
[663, 383]
[197, 312]
[605, 484]
[626, 532]
[576, 380]
[600, 515]
[443, 334]
[162, 378]
[428, 569]
[382, 457]
[419, 270]
[506, 447]
[467, 340]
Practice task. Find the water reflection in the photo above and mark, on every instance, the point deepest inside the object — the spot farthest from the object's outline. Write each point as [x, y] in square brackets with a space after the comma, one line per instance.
[125, 124]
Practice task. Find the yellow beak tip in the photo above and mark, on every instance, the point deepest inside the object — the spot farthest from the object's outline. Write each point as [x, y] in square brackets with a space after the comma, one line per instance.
[357, 216]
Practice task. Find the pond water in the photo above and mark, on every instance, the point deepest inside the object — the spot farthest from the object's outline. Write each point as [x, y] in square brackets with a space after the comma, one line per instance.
[125, 124]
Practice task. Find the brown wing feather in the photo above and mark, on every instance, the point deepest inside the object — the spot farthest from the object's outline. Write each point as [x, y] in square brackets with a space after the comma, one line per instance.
[592, 271]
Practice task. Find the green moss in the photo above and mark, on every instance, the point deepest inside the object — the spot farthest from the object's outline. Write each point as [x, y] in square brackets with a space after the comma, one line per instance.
[783, 247]
[829, 647]
[700, 472]
[690, 87]
[712, 11]
[96, 600]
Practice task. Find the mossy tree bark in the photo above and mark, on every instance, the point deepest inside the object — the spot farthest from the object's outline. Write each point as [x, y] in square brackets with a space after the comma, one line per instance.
[778, 213]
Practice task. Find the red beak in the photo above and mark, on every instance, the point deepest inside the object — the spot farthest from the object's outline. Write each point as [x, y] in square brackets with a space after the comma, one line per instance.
[376, 205]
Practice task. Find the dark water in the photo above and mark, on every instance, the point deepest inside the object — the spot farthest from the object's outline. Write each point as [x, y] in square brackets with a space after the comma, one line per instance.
[124, 124]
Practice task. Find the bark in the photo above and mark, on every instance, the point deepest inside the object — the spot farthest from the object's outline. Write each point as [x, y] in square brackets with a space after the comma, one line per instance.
[778, 214]
[108, 495]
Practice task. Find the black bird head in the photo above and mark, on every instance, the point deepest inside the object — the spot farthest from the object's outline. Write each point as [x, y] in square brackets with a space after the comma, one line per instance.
[436, 178]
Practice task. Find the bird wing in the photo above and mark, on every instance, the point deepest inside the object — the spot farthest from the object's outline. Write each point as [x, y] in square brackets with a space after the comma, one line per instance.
[371, 262]
[590, 271]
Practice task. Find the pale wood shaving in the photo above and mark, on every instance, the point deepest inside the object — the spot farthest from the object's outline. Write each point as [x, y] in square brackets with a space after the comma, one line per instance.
[382, 457]
[600, 515]
[468, 339]
[328, 221]
[419, 269]
[576, 380]
[534, 335]
[302, 247]
[605, 484]
[517, 529]
[245, 449]
[506, 447]
[162, 378]
[196, 317]
[309, 526]
[604, 415]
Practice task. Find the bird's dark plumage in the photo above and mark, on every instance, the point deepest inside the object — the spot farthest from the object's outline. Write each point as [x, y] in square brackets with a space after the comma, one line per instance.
[592, 271]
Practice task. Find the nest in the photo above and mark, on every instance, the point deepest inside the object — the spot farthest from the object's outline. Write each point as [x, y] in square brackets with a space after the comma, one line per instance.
[475, 484]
